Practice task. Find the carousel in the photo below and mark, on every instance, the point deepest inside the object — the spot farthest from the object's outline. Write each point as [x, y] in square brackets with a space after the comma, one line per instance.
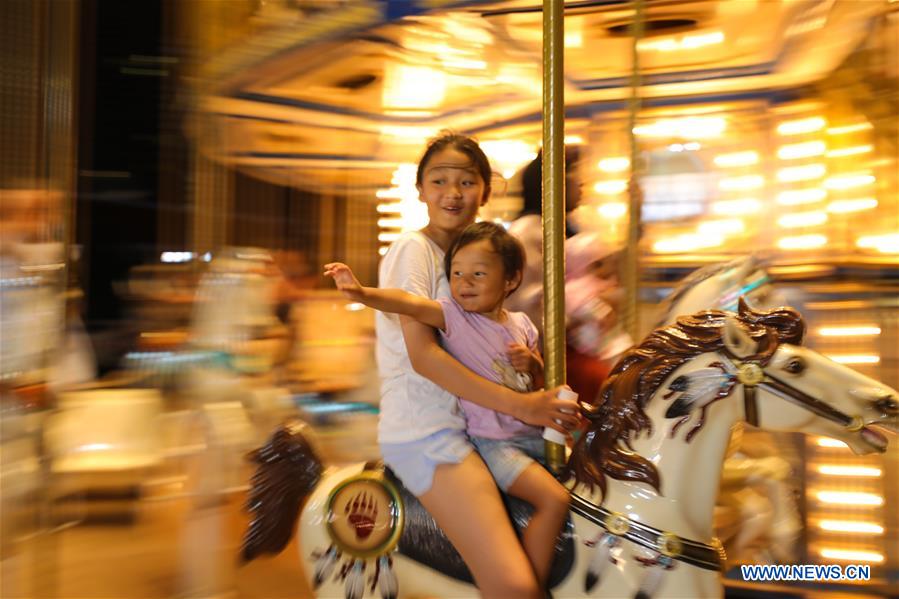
[730, 165]
[740, 156]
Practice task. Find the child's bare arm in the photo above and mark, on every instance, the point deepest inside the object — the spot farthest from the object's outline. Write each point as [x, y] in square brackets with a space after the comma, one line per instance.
[540, 408]
[523, 359]
[396, 301]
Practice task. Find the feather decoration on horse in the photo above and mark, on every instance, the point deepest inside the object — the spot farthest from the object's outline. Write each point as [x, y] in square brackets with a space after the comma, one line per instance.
[355, 580]
[653, 579]
[387, 582]
[324, 565]
[601, 558]
[698, 389]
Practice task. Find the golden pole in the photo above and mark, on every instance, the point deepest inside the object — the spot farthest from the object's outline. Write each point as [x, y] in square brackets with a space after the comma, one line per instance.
[630, 276]
[553, 208]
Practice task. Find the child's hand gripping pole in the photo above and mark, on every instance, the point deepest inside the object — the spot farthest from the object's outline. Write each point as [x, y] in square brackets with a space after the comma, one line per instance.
[555, 441]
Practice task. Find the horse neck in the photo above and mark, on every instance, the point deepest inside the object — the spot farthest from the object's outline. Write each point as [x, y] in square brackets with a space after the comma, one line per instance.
[689, 472]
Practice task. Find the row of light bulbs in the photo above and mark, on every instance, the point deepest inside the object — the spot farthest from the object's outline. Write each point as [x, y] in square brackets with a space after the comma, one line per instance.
[861, 523]
[789, 174]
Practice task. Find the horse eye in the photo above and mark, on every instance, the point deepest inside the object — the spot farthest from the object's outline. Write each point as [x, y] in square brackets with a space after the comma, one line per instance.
[795, 365]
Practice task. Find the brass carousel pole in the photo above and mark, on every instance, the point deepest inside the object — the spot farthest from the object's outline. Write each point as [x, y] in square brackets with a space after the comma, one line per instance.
[553, 208]
[630, 275]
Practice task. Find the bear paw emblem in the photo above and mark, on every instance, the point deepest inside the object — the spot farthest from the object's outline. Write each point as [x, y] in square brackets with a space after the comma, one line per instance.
[361, 512]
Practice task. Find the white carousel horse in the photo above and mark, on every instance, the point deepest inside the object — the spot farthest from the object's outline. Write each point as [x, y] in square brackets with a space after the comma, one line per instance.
[719, 286]
[756, 517]
[644, 479]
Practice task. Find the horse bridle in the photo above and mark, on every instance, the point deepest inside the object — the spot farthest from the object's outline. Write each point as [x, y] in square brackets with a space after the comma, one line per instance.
[751, 374]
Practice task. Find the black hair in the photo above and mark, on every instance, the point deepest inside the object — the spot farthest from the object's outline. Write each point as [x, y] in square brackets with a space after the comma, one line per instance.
[532, 181]
[504, 243]
[463, 144]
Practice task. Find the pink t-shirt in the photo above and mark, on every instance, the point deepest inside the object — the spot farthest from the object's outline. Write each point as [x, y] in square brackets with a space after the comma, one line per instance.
[481, 344]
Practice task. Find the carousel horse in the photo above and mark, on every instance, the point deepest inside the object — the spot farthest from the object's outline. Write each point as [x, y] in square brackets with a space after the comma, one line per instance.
[718, 286]
[643, 479]
[756, 518]
[756, 515]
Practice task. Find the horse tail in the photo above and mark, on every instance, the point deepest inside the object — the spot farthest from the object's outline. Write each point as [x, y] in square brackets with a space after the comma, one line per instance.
[287, 470]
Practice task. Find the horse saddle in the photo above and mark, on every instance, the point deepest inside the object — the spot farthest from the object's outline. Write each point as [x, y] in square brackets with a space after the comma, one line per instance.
[425, 542]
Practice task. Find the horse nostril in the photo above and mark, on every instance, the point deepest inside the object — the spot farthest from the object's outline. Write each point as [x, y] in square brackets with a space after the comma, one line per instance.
[887, 405]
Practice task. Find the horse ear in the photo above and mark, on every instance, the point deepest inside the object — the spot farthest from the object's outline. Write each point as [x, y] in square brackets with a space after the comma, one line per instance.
[743, 306]
[736, 340]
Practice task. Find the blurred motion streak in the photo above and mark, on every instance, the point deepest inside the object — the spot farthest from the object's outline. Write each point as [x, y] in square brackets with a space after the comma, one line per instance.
[173, 173]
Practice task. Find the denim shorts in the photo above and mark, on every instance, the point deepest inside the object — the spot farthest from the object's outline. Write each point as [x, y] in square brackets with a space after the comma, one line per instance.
[508, 458]
[414, 462]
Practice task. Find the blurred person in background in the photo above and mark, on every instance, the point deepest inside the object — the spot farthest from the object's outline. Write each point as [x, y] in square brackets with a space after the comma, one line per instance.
[31, 323]
[594, 335]
[28, 223]
[528, 228]
[295, 278]
[31, 271]
[235, 310]
[532, 185]
[593, 294]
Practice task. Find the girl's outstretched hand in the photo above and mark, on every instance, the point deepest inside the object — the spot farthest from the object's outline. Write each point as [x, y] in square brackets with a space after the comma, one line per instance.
[345, 279]
[544, 408]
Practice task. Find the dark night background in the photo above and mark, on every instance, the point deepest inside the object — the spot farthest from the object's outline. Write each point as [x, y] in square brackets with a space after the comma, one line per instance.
[132, 154]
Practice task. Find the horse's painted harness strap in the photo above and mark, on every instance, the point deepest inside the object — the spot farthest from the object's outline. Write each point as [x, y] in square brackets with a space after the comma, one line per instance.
[807, 401]
[750, 406]
[701, 555]
[752, 376]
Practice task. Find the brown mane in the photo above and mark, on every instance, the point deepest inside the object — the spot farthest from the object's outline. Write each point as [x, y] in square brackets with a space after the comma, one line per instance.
[619, 418]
